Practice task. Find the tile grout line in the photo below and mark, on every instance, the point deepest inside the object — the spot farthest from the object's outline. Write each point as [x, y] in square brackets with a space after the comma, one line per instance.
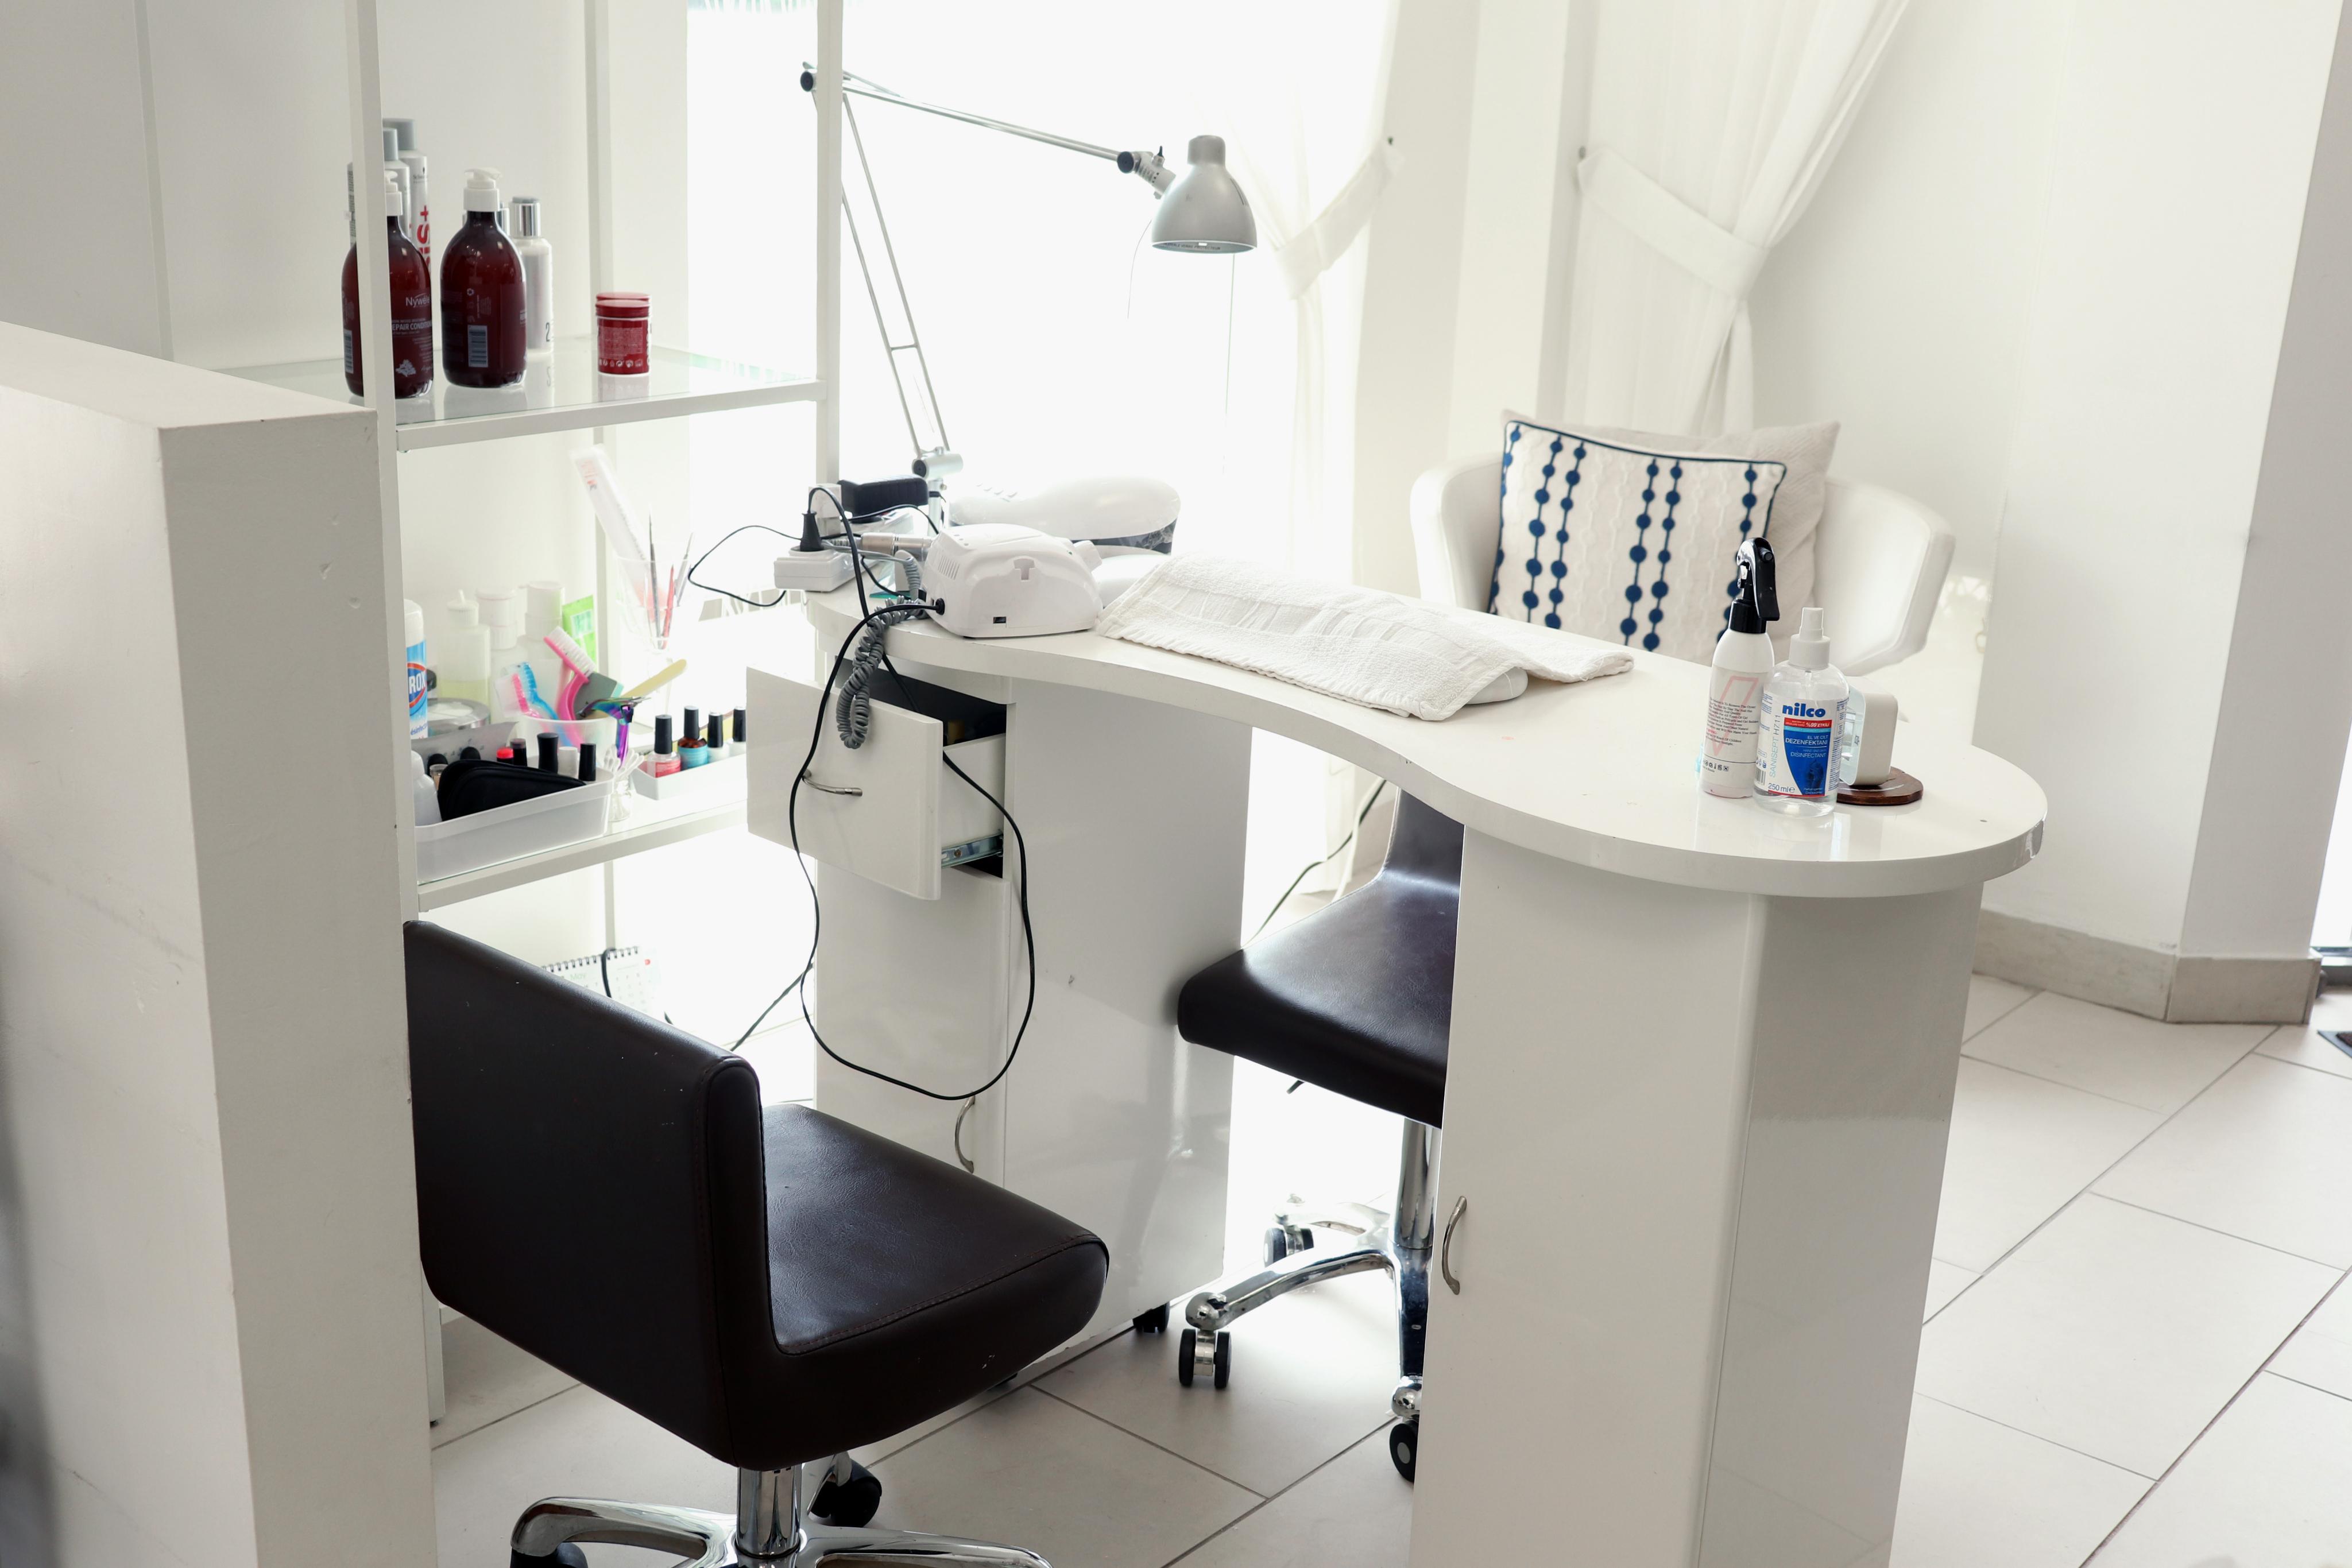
[1140, 1437]
[2338, 1269]
[2226, 1405]
[2037, 1437]
[2315, 1387]
[2107, 1170]
[1235, 1523]
[2236, 1061]
[509, 1415]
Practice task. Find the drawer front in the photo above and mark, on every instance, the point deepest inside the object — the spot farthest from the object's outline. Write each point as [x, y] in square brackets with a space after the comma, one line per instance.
[890, 831]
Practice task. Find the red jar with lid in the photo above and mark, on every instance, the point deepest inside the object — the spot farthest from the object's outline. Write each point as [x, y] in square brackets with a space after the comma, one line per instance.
[621, 324]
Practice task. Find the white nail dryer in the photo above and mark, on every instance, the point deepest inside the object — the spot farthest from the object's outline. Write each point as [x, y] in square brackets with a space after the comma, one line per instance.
[998, 580]
[1120, 514]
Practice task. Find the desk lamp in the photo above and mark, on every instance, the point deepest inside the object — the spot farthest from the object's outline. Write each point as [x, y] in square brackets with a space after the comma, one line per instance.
[1203, 212]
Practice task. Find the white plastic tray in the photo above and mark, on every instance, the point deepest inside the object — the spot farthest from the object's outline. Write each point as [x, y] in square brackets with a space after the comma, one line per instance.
[509, 832]
[712, 778]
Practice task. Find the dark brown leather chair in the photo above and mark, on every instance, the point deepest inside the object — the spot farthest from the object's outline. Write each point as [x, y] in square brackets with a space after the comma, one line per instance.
[1358, 998]
[771, 1285]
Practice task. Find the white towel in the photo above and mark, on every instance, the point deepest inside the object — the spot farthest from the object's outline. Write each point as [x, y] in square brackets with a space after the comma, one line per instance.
[1405, 655]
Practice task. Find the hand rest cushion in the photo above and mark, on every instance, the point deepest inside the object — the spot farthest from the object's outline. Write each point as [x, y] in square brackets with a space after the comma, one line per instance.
[1405, 655]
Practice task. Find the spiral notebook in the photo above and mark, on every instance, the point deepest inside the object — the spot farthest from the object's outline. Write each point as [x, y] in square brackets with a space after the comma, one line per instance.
[627, 975]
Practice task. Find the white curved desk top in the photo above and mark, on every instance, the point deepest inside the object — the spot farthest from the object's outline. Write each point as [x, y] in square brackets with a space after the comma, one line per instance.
[1600, 773]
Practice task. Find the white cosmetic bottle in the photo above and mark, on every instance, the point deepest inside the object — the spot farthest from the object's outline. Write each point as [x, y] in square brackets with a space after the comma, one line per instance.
[1735, 686]
[1798, 734]
[538, 276]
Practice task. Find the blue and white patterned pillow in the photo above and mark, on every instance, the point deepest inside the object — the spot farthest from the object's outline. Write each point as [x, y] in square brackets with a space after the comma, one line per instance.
[1631, 546]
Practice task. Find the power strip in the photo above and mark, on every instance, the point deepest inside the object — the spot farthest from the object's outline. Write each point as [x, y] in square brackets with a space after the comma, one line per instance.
[627, 975]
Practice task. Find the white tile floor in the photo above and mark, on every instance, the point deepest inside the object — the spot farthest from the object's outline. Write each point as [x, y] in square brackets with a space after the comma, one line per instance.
[2138, 1352]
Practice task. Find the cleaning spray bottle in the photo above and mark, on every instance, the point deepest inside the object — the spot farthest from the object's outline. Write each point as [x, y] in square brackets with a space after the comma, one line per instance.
[1797, 737]
[1743, 659]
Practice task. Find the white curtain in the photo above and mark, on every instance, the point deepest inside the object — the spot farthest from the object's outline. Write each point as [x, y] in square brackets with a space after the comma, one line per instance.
[1713, 122]
[1295, 87]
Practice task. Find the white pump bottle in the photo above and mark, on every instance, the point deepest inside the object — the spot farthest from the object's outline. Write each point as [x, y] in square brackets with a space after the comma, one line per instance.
[1797, 761]
[1743, 659]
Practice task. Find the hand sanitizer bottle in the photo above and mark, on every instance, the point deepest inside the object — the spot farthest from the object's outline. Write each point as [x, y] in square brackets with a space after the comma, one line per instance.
[1798, 733]
[1743, 658]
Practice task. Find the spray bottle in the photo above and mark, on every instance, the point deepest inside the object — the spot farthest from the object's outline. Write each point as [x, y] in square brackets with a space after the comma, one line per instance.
[1797, 738]
[1735, 687]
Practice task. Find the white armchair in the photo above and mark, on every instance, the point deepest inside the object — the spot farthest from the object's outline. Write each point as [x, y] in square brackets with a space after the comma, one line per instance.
[1879, 559]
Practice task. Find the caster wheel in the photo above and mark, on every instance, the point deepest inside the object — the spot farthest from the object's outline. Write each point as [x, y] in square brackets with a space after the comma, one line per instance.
[849, 1504]
[568, 1555]
[1153, 1321]
[1190, 1363]
[1404, 1444]
[1278, 1245]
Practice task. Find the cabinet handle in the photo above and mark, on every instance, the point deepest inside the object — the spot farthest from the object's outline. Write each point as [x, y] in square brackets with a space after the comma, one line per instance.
[1446, 1249]
[828, 789]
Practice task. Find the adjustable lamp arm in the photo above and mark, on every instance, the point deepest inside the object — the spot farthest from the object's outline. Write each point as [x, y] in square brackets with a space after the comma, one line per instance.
[1149, 167]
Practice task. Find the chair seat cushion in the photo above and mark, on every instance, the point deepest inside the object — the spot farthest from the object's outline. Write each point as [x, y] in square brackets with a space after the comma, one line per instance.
[1357, 998]
[898, 1287]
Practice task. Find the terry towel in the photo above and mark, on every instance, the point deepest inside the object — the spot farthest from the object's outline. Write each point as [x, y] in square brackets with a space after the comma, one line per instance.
[1405, 655]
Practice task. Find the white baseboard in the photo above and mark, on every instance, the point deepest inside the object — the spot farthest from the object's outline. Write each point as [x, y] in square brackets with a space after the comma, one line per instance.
[2176, 987]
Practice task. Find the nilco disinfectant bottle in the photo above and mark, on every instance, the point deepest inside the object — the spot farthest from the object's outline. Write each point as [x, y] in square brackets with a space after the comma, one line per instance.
[1743, 659]
[1798, 731]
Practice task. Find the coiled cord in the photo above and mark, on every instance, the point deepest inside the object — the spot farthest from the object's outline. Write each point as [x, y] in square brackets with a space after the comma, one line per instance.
[853, 710]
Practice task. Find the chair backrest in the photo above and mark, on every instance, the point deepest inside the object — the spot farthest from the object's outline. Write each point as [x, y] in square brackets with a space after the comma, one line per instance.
[589, 1181]
[1879, 558]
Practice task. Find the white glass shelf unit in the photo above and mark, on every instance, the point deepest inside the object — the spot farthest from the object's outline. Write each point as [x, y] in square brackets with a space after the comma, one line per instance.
[560, 391]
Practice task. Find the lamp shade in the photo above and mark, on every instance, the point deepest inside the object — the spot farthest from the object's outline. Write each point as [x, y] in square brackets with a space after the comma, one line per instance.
[1206, 211]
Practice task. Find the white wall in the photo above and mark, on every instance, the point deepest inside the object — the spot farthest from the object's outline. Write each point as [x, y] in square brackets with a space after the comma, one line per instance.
[79, 253]
[1899, 304]
[2279, 742]
[2182, 153]
[211, 1352]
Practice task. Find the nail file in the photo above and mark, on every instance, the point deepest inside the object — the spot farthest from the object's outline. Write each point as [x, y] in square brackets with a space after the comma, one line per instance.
[645, 688]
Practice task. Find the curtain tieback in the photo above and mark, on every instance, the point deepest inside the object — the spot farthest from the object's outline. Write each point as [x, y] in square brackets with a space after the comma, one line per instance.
[1663, 221]
[1308, 254]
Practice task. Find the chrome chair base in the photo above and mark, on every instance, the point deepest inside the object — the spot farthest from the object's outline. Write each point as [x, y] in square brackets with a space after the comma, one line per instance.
[1324, 1243]
[771, 1528]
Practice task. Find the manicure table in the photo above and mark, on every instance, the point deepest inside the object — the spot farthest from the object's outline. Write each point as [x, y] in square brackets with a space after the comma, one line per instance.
[1700, 1075]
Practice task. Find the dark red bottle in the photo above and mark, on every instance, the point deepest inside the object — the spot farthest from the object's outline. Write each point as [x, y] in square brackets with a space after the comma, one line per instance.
[482, 327]
[411, 310]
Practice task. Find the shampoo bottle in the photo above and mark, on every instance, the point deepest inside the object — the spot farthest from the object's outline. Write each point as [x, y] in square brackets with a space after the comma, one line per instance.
[482, 297]
[1804, 713]
[412, 308]
[1735, 687]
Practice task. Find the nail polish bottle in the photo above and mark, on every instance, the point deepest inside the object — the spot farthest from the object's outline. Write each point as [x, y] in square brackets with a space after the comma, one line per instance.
[666, 761]
[736, 741]
[483, 299]
[689, 729]
[547, 744]
[587, 762]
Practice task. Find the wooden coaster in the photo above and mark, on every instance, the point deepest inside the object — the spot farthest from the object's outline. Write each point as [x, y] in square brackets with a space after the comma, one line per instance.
[1900, 790]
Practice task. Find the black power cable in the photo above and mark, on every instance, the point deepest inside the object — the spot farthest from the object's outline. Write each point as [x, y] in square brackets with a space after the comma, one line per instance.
[817, 916]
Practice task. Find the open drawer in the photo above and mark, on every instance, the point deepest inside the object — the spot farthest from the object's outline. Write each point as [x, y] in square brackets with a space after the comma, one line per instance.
[890, 810]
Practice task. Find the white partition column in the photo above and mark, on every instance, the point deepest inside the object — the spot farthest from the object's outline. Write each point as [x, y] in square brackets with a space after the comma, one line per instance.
[209, 1341]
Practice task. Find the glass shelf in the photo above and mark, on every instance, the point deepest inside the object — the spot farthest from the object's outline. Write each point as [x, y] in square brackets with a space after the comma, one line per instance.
[560, 391]
[651, 825]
